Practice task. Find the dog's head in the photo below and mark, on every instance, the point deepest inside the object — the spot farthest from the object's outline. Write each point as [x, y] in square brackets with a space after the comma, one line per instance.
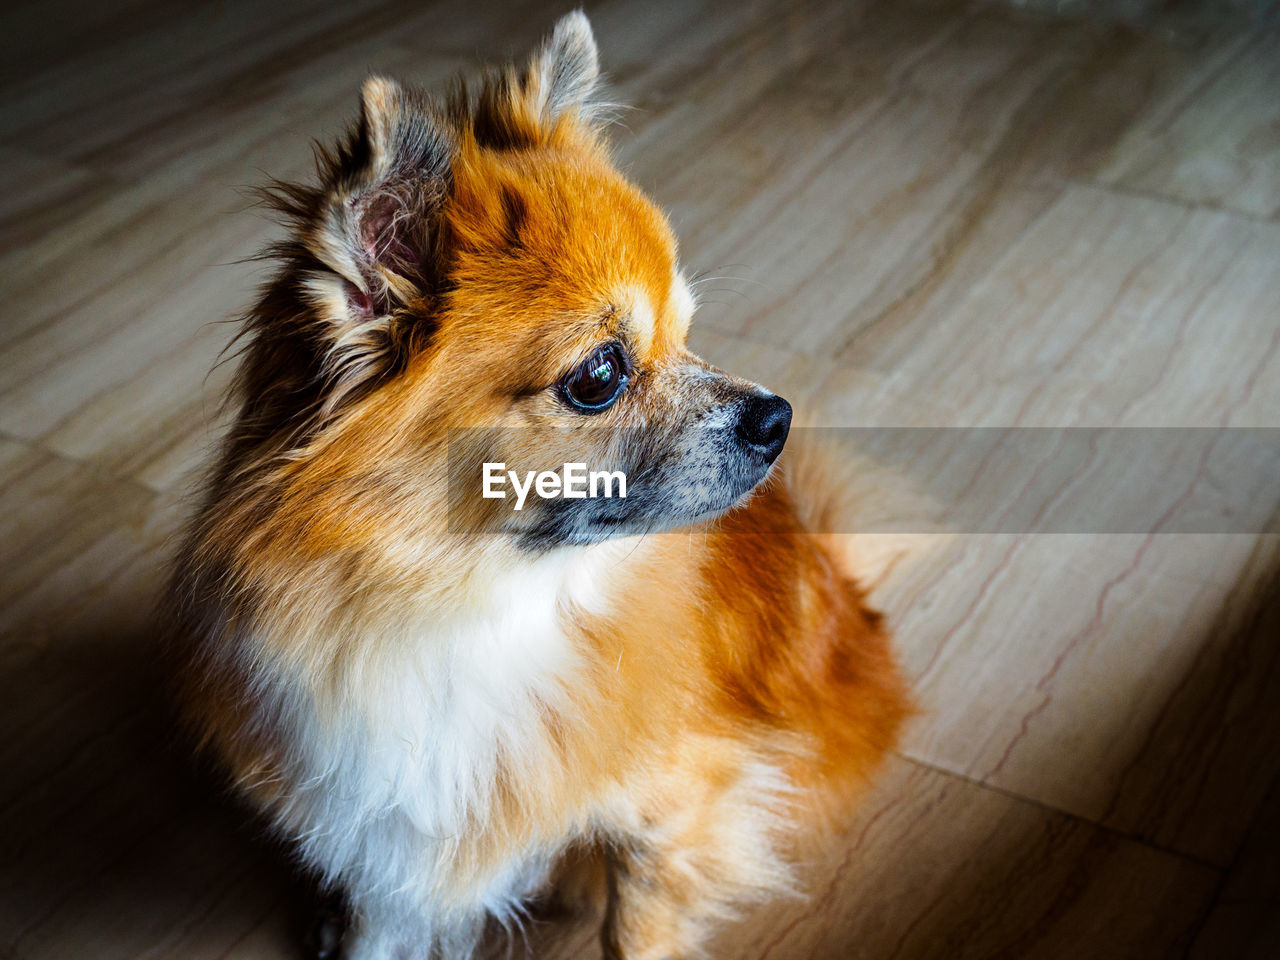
[476, 277]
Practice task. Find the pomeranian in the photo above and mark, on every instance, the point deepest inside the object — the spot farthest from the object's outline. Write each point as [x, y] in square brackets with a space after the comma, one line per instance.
[440, 700]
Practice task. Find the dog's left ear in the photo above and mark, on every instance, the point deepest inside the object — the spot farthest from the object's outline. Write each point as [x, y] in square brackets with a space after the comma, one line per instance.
[554, 97]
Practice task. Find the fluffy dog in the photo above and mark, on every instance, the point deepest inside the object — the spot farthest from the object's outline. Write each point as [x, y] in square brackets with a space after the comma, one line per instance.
[438, 699]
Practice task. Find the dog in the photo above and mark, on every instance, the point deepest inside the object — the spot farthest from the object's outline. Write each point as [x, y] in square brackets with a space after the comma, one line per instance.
[443, 703]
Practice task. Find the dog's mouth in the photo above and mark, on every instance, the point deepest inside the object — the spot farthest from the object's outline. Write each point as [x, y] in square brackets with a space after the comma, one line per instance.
[643, 519]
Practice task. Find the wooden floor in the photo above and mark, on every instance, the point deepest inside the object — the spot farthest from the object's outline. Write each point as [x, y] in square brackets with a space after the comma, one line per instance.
[966, 216]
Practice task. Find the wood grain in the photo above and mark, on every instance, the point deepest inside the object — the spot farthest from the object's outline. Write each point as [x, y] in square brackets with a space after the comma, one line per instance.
[906, 214]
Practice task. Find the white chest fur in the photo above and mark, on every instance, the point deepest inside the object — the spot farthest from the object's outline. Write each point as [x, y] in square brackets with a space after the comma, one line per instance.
[387, 790]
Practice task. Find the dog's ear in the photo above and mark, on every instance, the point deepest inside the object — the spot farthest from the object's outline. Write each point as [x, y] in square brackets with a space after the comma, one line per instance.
[553, 96]
[366, 238]
[563, 75]
[382, 192]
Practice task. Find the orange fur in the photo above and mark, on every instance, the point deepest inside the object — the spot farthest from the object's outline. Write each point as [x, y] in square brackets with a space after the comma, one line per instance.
[702, 686]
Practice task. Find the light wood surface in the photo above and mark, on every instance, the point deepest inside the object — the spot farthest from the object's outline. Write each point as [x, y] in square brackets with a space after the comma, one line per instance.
[916, 214]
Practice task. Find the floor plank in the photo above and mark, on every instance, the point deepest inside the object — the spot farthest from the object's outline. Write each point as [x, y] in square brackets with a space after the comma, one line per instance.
[1214, 139]
[907, 214]
[1245, 919]
[108, 838]
[935, 866]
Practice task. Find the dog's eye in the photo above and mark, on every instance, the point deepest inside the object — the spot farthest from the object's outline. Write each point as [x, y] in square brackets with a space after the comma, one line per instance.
[597, 382]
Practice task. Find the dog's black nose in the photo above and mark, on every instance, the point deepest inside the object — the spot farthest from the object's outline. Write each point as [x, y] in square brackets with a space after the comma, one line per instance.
[763, 425]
